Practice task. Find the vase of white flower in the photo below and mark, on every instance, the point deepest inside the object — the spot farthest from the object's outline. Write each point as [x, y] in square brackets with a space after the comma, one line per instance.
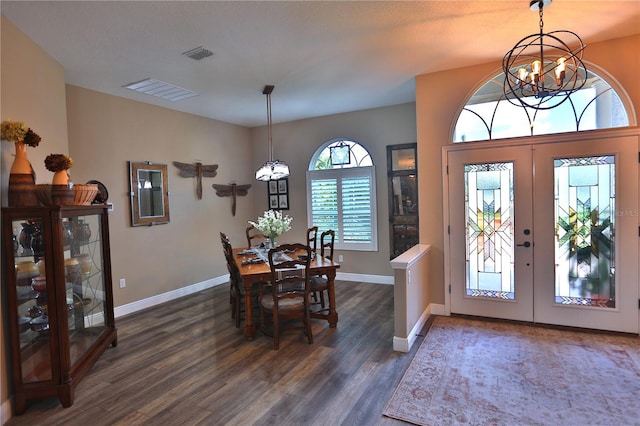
[273, 224]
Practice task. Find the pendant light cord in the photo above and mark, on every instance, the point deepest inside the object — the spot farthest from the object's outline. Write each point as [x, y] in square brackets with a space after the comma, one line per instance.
[269, 126]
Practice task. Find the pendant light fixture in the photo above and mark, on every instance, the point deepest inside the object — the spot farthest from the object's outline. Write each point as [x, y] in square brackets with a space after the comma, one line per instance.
[541, 70]
[272, 169]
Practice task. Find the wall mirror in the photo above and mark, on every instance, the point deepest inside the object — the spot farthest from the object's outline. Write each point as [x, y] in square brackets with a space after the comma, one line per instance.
[149, 193]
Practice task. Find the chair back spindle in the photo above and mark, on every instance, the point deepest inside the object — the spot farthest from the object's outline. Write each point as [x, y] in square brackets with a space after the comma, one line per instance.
[312, 239]
[253, 234]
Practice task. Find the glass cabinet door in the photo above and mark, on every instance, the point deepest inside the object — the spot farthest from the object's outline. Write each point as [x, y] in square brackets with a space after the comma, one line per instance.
[85, 282]
[31, 298]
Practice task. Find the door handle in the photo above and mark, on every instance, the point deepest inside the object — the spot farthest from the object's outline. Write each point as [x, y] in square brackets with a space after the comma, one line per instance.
[525, 244]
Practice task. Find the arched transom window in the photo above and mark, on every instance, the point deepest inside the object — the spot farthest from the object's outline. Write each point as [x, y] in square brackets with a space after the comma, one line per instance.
[488, 115]
[341, 194]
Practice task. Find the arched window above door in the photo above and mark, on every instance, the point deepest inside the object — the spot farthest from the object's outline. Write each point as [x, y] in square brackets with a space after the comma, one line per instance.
[488, 115]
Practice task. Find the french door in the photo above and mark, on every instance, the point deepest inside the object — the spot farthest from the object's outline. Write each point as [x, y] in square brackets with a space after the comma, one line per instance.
[546, 232]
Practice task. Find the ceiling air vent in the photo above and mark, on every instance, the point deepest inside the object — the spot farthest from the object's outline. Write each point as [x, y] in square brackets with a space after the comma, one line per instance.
[198, 53]
[150, 86]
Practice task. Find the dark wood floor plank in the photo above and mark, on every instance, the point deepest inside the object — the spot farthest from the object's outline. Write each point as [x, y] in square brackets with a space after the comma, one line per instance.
[185, 362]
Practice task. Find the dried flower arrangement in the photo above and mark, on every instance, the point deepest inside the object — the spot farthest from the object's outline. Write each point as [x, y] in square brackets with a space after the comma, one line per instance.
[57, 162]
[17, 131]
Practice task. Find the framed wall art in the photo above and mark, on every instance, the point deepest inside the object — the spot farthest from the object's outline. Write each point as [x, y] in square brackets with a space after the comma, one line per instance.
[278, 194]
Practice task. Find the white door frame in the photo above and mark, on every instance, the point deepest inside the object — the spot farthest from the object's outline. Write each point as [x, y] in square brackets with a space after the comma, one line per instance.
[583, 137]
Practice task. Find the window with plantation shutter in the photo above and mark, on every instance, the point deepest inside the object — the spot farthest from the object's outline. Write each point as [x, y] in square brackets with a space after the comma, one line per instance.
[343, 198]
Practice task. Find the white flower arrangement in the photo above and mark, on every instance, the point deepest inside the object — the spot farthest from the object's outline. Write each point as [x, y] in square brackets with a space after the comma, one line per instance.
[273, 223]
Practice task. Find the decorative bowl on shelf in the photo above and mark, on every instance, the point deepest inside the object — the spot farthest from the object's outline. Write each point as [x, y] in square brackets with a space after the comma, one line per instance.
[83, 194]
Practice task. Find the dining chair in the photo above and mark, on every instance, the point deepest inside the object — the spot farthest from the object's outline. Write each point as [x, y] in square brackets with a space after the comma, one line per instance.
[319, 283]
[312, 239]
[253, 234]
[288, 295]
[236, 287]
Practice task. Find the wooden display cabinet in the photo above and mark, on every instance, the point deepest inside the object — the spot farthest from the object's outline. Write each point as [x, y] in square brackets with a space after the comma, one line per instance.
[58, 297]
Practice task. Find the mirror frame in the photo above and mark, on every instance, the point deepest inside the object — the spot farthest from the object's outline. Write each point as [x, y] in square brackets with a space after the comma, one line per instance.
[136, 219]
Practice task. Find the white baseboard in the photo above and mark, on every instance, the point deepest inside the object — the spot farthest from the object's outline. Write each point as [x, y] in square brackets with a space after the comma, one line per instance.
[364, 278]
[438, 309]
[149, 302]
[404, 344]
[5, 411]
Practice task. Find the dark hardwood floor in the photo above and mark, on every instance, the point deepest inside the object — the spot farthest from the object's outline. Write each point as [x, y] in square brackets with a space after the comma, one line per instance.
[185, 363]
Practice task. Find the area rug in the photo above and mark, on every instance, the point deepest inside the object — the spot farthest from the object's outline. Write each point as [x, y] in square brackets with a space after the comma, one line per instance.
[473, 372]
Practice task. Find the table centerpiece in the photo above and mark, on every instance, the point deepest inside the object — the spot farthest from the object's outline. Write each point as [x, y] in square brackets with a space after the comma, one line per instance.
[273, 224]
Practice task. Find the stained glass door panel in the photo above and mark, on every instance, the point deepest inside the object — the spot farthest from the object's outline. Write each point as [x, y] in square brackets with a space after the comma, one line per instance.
[490, 219]
[584, 204]
[489, 225]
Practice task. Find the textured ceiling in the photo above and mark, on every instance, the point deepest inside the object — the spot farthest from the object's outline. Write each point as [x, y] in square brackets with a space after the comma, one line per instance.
[323, 57]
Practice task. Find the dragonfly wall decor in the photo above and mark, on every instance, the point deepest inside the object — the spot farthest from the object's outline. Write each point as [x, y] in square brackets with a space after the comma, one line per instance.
[197, 170]
[231, 191]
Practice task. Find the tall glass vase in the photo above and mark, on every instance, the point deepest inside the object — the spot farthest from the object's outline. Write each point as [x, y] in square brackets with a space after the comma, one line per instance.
[272, 243]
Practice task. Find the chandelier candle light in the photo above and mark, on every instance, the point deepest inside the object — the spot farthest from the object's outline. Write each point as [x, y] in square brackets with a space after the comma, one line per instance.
[273, 224]
[272, 169]
[541, 71]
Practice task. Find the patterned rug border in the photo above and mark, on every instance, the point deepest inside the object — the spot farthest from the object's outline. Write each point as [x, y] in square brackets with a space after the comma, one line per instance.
[402, 404]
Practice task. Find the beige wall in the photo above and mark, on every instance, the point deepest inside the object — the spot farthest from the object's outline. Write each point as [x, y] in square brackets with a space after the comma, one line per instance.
[163, 258]
[32, 91]
[295, 143]
[440, 97]
[105, 132]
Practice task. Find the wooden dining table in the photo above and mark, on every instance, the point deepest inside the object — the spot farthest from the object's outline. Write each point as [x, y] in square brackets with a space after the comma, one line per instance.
[253, 273]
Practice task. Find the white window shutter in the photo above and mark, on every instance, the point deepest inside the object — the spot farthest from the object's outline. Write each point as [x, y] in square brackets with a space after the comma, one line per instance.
[344, 200]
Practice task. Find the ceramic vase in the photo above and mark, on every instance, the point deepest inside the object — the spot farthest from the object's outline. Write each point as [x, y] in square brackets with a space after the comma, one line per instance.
[86, 263]
[22, 182]
[60, 178]
[25, 272]
[61, 189]
[21, 164]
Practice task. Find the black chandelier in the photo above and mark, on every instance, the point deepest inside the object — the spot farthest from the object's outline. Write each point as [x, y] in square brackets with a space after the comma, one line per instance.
[542, 71]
